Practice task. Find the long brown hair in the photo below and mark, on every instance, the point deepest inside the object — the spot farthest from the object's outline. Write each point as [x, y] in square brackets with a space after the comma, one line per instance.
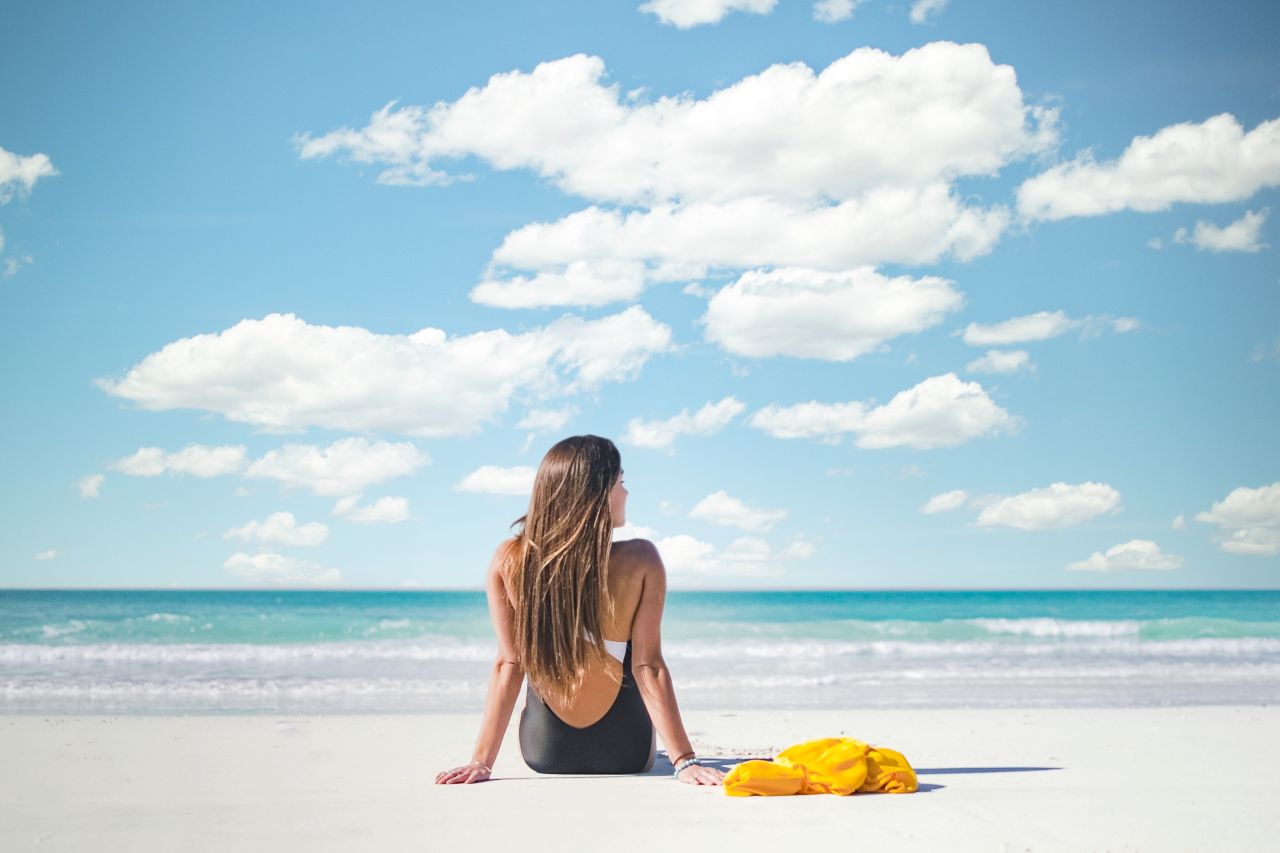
[559, 570]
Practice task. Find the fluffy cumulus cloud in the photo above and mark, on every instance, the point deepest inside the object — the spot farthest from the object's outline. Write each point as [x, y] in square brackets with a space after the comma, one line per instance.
[1055, 506]
[280, 570]
[1139, 554]
[543, 420]
[1001, 361]
[746, 556]
[382, 511]
[90, 485]
[1043, 325]
[945, 502]
[848, 166]
[911, 225]
[496, 480]
[18, 173]
[941, 411]
[661, 435]
[833, 11]
[1214, 161]
[1248, 520]
[591, 282]
[281, 373]
[923, 10]
[344, 467]
[685, 14]
[280, 528]
[726, 510]
[833, 316]
[197, 460]
[633, 531]
[1243, 235]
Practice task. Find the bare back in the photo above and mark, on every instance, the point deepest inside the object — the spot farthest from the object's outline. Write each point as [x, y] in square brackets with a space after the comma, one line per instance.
[601, 681]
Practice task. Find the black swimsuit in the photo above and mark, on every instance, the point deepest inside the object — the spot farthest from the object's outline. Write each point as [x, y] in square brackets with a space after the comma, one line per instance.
[622, 741]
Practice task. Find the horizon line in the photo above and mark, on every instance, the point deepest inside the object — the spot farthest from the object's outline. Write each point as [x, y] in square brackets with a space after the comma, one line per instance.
[678, 589]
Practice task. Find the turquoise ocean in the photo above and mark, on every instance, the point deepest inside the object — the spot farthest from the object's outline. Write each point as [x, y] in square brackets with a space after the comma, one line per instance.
[172, 651]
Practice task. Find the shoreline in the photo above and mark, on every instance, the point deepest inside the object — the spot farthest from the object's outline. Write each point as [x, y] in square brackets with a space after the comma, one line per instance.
[1032, 778]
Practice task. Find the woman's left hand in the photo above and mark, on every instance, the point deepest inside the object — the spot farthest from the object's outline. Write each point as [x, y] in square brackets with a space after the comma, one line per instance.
[466, 774]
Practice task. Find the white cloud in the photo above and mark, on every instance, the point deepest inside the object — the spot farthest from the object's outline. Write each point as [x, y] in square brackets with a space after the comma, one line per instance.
[496, 480]
[1055, 506]
[1043, 325]
[800, 549]
[594, 282]
[1140, 554]
[18, 174]
[870, 119]
[633, 531]
[746, 556]
[195, 459]
[1030, 327]
[849, 166]
[831, 11]
[280, 528]
[1214, 161]
[723, 509]
[16, 263]
[1240, 236]
[832, 316]
[660, 435]
[52, 553]
[1265, 352]
[1179, 522]
[910, 225]
[545, 420]
[277, 569]
[382, 511]
[1155, 243]
[685, 14]
[922, 10]
[1248, 519]
[281, 374]
[90, 485]
[1001, 361]
[344, 467]
[941, 411]
[945, 502]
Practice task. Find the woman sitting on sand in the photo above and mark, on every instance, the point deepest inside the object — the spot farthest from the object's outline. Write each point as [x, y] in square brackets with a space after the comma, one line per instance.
[558, 591]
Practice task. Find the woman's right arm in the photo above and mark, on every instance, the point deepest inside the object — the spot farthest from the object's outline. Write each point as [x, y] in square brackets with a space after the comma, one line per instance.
[650, 671]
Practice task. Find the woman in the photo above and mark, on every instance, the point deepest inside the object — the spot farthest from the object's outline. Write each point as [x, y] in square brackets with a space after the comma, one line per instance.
[580, 616]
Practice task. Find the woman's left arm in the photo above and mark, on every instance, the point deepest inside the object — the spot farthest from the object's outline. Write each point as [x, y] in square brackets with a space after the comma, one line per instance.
[504, 681]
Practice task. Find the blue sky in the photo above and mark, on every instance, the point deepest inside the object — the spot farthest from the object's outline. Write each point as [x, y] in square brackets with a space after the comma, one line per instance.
[876, 294]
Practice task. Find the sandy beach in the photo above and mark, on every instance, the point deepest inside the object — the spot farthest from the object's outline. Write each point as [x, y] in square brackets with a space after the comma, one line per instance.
[1166, 779]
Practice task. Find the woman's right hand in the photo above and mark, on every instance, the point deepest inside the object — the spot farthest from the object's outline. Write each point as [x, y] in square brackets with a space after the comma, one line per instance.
[466, 774]
[696, 774]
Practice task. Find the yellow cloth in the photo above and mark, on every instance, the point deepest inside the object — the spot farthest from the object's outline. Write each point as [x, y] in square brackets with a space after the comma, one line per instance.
[834, 765]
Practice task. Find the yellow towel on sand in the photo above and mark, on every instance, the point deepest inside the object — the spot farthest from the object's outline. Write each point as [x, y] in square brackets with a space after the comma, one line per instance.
[834, 765]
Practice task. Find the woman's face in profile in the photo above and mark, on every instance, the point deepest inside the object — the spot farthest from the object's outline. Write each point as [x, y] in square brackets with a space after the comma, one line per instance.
[618, 502]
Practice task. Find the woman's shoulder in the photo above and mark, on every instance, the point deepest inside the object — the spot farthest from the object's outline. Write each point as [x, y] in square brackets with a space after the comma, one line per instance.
[638, 553]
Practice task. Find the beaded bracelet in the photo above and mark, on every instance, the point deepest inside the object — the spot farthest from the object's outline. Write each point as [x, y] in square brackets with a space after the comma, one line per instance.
[683, 764]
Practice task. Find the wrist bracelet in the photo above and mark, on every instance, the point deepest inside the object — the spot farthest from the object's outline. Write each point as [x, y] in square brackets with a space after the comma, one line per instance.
[683, 764]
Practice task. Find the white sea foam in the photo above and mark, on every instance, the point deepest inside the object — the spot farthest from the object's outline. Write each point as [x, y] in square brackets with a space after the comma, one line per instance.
[167, 617]
[72, 627]
[1045, 627]
[450, 649]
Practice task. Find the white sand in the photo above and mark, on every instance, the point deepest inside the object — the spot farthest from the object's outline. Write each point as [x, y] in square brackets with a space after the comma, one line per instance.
[1148, 779]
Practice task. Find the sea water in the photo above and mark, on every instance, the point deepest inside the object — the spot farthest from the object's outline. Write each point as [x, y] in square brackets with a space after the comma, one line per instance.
[257, 651]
